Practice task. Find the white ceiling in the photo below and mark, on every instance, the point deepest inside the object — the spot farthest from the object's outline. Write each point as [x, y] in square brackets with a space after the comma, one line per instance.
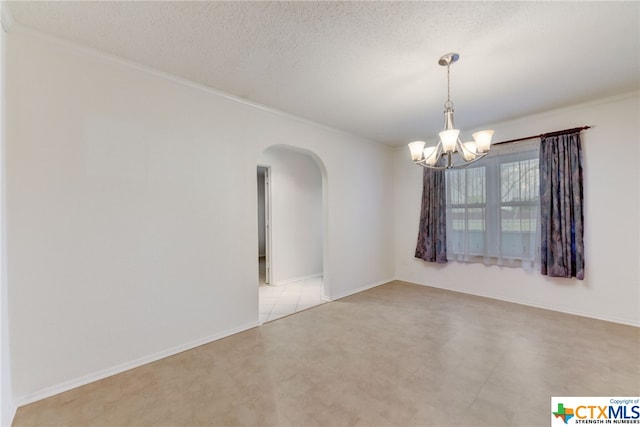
[370, 68]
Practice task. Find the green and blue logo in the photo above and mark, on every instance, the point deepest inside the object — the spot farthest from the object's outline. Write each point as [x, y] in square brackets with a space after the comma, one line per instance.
[595, 410]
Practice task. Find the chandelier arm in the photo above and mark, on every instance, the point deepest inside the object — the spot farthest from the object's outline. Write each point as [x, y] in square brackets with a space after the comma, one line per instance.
[469, 162]
[426, 166]
[423, 163]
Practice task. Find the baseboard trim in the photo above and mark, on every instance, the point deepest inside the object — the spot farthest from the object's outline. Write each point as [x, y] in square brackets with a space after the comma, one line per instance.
[358, 290]
[596, 316]
[297, 279]
[105, 373]
[7, 417]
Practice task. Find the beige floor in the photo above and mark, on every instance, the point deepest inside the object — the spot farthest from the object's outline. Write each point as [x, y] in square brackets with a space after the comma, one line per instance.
[395, 355]
[281, 300]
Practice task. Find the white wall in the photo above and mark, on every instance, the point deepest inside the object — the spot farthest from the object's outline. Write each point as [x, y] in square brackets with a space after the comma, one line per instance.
[611, 289]
[132, 227]
[296, 213]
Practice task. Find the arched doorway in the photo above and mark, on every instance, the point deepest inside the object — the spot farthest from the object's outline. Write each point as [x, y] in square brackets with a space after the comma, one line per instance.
[294, 210]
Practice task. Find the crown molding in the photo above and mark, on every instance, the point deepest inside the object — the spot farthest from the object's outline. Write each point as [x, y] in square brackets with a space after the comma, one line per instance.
[5, 16]
[103, 56]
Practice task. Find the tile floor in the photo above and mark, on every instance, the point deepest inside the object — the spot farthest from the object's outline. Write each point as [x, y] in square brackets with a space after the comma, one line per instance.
[396, 355]
[282, 300]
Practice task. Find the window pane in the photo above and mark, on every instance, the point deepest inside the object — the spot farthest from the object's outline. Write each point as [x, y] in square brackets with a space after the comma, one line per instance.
[455, 187]
[519, 218]
[465, 186]
[518, 231]
[518, 245]
[519, 181]
[475, 219]
[475, 185]
[456, 219]
[455, 241]
[466, 222]
[476, 227]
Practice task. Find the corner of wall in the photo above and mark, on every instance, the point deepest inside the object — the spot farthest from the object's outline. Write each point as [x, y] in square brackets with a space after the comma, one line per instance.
[7, 404]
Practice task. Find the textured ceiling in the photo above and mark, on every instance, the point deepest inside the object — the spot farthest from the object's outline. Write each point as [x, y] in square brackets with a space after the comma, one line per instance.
[370, 68]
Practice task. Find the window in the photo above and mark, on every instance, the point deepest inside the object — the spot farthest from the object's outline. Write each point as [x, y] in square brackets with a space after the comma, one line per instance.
[492, 208]
[466, 211]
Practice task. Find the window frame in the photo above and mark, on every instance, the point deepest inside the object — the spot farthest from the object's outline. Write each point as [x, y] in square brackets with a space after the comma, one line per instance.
[493, 248]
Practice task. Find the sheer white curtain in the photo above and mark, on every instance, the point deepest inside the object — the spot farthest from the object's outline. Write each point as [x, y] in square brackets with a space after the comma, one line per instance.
[493, 208]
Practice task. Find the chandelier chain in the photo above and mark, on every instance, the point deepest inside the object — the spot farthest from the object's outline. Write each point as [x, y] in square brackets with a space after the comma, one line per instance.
[448, 104]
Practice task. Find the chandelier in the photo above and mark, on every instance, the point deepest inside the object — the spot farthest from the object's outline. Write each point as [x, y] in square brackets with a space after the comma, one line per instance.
[450, 152]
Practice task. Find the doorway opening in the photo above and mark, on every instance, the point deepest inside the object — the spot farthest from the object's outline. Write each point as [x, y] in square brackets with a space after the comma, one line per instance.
[291, 227]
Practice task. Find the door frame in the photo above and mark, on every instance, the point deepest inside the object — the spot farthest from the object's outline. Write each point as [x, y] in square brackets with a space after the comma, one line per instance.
[267, 224]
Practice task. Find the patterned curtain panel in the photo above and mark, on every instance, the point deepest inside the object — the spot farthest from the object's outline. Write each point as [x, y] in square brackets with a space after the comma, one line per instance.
[561, 206]
[432, 238]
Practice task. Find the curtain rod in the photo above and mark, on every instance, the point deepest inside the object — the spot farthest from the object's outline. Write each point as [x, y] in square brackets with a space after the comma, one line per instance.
[544, 135]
